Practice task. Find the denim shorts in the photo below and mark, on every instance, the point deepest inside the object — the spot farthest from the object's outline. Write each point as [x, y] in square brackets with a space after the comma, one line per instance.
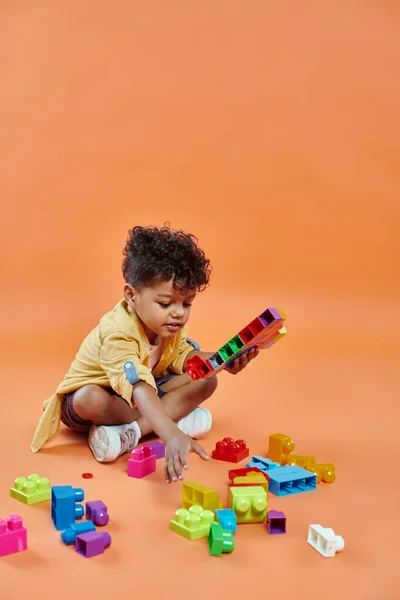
[73, 421]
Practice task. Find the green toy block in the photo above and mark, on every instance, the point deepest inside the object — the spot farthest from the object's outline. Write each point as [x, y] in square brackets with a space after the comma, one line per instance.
[192, 524]
[226, 352]
[248, 503]
[220, 540]
[236, 343]
[31, 490]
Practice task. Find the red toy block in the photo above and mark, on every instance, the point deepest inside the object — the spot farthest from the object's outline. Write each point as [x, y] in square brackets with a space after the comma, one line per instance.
[13, 537]
[142, 462]
[230, 450]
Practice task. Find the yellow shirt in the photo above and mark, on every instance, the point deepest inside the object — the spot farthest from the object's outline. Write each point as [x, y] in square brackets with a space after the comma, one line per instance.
[116, 354]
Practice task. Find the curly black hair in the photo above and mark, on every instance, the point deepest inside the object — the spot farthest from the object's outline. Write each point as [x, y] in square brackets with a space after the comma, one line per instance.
[153, 254]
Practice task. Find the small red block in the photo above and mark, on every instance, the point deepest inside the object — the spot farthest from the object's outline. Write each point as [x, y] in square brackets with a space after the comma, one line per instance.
[230, 450]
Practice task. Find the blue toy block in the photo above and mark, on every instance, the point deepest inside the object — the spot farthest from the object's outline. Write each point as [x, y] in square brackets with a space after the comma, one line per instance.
[264, 464]
[289, 480]
[226, 518]
[64, 510]
[68, 536]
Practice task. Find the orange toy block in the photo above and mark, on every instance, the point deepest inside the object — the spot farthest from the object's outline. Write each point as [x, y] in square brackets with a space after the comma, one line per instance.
[324, 472]
[280, 445]
[299, 461]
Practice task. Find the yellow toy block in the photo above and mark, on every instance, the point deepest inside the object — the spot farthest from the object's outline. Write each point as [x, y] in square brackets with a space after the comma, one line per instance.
[251, 479]
[324, 472]
[280, 445]
[192, 524]
[31, 490]
[249, 503]
[195, 493]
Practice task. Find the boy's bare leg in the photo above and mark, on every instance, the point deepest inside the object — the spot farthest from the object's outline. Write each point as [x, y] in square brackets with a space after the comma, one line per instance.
[94, 403]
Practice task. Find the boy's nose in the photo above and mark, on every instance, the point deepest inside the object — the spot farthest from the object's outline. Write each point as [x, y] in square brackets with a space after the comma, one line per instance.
[178, 312]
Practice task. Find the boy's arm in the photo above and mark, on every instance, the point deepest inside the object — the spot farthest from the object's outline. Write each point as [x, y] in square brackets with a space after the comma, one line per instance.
[152, 409]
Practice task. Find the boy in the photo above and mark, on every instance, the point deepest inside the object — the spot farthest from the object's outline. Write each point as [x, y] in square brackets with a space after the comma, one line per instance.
[128, 378]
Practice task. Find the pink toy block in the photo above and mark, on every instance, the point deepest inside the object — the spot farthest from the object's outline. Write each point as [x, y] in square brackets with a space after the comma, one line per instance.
[142, 462]
[92, 543]
[13, 537]
[96, 511]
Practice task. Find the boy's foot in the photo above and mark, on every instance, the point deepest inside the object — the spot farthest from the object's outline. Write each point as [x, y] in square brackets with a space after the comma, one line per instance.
[197, 423]
[107, 442]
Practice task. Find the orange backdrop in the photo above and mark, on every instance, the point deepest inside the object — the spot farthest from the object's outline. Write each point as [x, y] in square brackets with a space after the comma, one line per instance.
[271, 131]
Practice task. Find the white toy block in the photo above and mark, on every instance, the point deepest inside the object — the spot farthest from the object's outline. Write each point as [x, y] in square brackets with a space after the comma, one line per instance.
[324, 540]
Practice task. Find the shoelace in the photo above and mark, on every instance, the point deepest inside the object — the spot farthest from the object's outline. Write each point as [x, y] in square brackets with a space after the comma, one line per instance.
[128, 439]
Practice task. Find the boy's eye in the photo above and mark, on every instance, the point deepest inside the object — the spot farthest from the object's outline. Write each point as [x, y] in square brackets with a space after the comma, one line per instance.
[164, 304]
[189, 304]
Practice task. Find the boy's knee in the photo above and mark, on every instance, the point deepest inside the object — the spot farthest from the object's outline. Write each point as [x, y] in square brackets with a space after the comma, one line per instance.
[209, 386]
[88, 400]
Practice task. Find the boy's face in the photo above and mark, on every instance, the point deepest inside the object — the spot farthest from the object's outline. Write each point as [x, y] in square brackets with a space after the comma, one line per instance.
[162, 309]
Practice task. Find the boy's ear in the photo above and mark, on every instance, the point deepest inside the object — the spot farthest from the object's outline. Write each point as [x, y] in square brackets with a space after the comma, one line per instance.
[130, 295]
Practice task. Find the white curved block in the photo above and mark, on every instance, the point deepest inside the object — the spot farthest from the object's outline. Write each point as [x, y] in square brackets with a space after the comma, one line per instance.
[324, 540]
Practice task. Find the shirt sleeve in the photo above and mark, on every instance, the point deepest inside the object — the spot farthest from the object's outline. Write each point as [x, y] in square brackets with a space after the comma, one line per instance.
[186, 346]
[120, 360]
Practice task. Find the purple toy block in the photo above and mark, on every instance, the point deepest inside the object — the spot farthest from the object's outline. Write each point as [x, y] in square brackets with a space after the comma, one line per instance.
[13, 537]
[158, 448]
[92, 543]
[142, 463]
[276, 521]
[96, 511]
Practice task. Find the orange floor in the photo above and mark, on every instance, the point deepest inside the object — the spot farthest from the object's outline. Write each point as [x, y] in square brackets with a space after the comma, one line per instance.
[270, 130]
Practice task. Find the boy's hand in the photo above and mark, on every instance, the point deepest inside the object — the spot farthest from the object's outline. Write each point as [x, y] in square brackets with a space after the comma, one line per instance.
[177, 450]
[243, 360]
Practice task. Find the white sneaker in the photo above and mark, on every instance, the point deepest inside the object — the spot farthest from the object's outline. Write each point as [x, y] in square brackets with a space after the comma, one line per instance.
[197, 423]
[107, 442]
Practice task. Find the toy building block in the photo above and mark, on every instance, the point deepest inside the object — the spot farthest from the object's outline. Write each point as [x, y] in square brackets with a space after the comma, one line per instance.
[291, 480]
[196, 494]
[262, 332]
[248, 476]
[92, 543]
[68, 536]
[158, 449]
[31, 490]
[13, 536]
[263, 464]
[64, 507]
[325, 473]
[297, 460]
[96, 511]
[227, 519]
[230, 450]
[192, 524]
[276, 521]
[220, 541]
[248, 503]
[280, 446]
[142, 462]
[324, 540]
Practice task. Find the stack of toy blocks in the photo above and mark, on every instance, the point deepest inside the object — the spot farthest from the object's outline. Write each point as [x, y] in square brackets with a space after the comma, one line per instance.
[66, 508]
[142, 462]
[264, 331]
[281, 448]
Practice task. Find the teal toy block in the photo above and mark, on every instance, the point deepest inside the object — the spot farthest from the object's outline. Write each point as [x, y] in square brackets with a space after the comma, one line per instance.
[249, 503]
[68, 536]
[220, 541]
[288, 480]
[227, 519]
[264, 464]
[64, 505]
